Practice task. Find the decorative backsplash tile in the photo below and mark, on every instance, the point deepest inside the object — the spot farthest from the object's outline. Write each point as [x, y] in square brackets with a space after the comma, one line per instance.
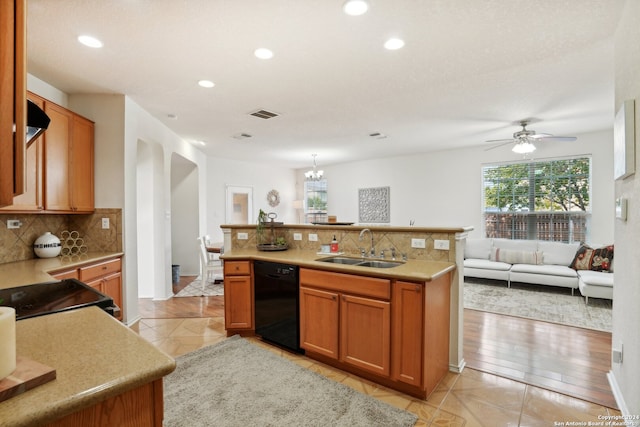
[17, 244]
[350, 243]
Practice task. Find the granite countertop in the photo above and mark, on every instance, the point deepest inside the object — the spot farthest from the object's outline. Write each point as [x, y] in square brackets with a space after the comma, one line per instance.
[95, 357]
[413, 270]
[36, 270]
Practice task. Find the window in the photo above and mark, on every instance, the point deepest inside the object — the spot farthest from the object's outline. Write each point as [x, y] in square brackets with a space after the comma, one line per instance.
[539, 200]
[315, 201]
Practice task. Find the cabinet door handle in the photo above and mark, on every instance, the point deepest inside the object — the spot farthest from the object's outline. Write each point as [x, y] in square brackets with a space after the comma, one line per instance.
[418, 288]
[333, 297]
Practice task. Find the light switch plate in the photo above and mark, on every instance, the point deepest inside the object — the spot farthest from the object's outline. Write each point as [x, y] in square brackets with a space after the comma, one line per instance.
[243, 236]
[418, 243]
[313, 237]
[297, 236]
[105, 223]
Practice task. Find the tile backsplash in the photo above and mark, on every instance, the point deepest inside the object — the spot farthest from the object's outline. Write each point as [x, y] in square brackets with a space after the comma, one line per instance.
[17, 244]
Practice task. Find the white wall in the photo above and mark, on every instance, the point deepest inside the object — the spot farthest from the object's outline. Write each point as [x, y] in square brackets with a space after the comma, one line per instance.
[625, 378]
[262, 178]
[184, 216]
[444, 188]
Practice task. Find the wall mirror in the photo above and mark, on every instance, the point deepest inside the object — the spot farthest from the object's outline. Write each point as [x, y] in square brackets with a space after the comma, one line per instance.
[239, 204]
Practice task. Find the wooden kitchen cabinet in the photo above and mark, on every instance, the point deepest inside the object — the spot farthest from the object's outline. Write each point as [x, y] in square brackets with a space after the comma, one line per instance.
[68, 161]
[59, 164]
[365, 333]
[13, 105]
[32, 198]
[319, 321]
[346, 317]
[238, 297]
[407, 317]
[106, 277]
[103, 276]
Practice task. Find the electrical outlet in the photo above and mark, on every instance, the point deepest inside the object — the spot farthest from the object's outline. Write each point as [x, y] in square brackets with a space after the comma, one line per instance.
[13, 223]
[313, 237]
[418, 243]
[616, 354]
[105, 223]
[297, 236]
[243, 236]
[442, 245]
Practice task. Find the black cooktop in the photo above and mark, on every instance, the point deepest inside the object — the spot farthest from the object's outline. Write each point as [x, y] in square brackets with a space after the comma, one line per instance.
[52, 297]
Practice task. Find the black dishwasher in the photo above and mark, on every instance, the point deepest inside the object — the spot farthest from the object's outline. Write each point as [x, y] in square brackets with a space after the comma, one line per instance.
[277, 303]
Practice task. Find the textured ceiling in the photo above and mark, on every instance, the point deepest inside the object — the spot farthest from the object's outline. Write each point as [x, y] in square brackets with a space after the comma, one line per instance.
[468, 71]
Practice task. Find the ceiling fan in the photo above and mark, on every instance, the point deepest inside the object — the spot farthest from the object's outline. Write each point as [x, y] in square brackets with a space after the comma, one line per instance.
[523, 139]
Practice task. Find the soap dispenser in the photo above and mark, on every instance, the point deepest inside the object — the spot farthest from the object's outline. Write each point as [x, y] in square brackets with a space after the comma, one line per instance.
[334, 245]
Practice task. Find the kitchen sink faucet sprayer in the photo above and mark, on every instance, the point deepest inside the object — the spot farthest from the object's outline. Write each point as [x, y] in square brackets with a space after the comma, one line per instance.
[372, 251]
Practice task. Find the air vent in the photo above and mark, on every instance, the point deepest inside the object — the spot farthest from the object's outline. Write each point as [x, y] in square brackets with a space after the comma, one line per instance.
[242, 136]
[264, 114]
[377, 135]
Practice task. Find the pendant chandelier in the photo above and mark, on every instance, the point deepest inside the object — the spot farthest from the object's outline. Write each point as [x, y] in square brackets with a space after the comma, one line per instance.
[314, 174]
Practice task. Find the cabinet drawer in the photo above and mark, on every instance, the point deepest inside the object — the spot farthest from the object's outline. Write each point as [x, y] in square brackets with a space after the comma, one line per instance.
[349, 283]
[237, 268]
[95, 271]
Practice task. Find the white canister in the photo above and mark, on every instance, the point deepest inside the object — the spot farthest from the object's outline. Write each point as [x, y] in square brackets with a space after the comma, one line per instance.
[47, 246]
[7, 341]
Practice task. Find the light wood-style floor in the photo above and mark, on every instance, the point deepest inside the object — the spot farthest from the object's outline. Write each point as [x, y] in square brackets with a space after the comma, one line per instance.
[504, 356]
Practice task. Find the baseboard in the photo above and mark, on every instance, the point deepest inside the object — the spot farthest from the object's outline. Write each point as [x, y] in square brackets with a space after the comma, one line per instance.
[459, 367]
[135, 320]
[617, 393]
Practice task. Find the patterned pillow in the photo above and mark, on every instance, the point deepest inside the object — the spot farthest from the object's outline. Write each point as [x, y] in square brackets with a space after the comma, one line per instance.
[588, 258]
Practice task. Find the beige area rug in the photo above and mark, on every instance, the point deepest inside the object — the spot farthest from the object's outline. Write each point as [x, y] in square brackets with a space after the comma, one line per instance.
[236, 383]
[538, 302]
[194, 289]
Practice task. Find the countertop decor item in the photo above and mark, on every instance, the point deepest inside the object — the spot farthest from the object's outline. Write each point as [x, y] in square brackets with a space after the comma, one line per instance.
[273, 240]
[47, 246]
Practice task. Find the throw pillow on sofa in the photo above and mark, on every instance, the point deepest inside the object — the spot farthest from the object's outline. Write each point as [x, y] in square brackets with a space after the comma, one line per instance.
[516, 257]
[588, 258]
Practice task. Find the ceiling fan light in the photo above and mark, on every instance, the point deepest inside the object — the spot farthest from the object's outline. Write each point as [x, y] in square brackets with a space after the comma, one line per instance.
[524, 147]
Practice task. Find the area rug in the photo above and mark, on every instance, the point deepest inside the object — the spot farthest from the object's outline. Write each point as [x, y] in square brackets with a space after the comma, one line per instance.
[194, 289]
[236, 383]
[538, 302]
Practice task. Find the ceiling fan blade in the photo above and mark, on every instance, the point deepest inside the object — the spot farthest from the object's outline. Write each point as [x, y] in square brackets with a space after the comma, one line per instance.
[556, 138]
[503, 142]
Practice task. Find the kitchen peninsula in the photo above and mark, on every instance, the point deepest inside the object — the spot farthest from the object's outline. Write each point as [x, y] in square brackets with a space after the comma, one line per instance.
[398, 326]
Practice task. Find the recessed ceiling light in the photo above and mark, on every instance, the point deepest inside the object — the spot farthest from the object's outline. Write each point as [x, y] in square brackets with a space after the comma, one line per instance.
[90, 41]
[263, 53]
[200, 142]
[172, 116]
[394, 44]
[206, 83]
[355, 7]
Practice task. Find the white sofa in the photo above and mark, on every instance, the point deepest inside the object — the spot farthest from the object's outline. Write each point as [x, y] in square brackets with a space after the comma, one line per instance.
[536, 262]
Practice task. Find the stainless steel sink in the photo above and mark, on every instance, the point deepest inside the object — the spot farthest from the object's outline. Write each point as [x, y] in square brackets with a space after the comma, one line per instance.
[341, 260]
[359, 262]
[379, 264]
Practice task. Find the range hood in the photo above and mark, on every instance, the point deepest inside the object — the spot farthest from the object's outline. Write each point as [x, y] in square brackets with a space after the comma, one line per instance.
[37, 122]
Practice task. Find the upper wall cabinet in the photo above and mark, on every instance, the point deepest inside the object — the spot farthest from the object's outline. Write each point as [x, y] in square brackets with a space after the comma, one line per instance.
[68, 161]
[59, 165]
[13, 104]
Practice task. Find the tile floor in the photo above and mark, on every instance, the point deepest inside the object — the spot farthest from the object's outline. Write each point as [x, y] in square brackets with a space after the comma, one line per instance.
[472, 398]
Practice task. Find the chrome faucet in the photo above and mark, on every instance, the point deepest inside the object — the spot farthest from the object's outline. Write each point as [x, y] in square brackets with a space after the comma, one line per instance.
[372, 251]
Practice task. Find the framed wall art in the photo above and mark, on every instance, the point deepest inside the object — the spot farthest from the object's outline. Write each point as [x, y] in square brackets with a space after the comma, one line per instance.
[374, 205]
[624, 156]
